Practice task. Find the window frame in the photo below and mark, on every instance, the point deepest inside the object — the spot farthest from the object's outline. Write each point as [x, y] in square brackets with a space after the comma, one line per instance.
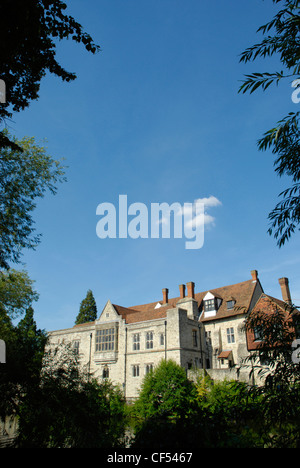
[258, 333]
[195, 338]
[135, 370]
[105, 372]
[136, 341]
[209, 304]
[162, 339]
[106, 339]
[230, 304]
[149, 344]
[76, 345]
[230, 335]
[149, 368]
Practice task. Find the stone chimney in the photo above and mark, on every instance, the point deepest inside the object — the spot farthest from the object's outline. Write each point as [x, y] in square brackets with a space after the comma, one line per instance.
[182, 290]
[254, 275]
[165, 292]
[191, 290]
[285, 290]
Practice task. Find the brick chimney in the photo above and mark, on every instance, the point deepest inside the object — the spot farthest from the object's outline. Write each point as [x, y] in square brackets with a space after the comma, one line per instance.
[182, 290]
[165, 292]
[285, 290]
[191, 290]
[254, 275]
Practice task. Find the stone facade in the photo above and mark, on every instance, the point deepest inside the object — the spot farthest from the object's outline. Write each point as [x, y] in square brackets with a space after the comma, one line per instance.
[197, 331]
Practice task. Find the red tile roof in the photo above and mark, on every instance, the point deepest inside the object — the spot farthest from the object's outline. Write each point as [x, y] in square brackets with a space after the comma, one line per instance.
[241, 293]
[224, 354]
[268, 305]
[132, 316]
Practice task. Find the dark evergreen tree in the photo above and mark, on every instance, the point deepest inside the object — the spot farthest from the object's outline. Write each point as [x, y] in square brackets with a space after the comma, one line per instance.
[25, 345]
[88, 309]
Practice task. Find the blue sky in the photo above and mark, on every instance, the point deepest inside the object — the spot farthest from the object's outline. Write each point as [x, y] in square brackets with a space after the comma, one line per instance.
[156, 115]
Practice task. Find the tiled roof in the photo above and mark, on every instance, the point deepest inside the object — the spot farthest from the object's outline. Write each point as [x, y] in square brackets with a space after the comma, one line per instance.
[133, 316]
[267, 305]
[224, 354]
[283, 305]
[241, 293]
[85, 324]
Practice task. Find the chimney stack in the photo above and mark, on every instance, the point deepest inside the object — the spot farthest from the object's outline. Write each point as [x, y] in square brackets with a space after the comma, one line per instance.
[165, 292]
[191, 289]
[182, 290]
[285, 290]
[254, 275]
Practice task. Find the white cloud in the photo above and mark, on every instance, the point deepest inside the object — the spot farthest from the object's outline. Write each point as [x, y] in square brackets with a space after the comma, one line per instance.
[188, 212]
[200, 220]
[210, 201]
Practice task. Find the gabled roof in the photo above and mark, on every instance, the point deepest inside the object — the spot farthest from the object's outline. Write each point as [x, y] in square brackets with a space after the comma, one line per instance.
[225, 354]
[132, 315]
[268, 303]
[241, 292]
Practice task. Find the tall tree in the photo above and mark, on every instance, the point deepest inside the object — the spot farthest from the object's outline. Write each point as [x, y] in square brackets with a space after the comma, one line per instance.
[279, 390]
[24, 178]
[25, 345]
[68, 410]
[87, 310]
[283, 139]
[29, 34]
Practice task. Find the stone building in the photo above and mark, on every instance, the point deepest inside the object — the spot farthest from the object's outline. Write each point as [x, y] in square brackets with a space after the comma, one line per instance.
[197, 330]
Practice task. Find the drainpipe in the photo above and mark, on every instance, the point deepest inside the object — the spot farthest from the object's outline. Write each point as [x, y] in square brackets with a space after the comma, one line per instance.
[201, 350]
[91, 335]
[125, 363]
[165, 340]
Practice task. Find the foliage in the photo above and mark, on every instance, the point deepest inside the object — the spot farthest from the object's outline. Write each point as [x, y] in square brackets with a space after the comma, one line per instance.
[24, 342]
[68, 410]
[25, 345]
[230, 414]
[274, 350]
[217, 414]
[29, 33]
[279, 389]
[165, 392]
[222, 414]
[87, 310]
[24, 178]
[166, 398]
[16, 292]
[203, 384]
[283, 139]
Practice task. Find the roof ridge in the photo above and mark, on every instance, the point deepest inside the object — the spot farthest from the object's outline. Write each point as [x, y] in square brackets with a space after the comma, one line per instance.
[177, 298]
[284, 305]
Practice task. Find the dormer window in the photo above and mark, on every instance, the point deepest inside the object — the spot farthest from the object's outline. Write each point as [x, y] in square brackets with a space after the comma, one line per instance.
[209, 304]
[230, 304]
